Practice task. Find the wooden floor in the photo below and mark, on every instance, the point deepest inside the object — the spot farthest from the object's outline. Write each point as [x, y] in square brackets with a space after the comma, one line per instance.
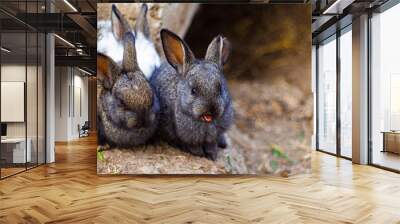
[386, 159]
[5, 172]
[69, 191]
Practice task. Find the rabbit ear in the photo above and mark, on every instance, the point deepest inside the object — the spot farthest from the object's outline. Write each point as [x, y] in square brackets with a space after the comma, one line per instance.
[119, 24]
[129, 61]
[141, 22]
[176, 51]
[218, 51]
[107, 70]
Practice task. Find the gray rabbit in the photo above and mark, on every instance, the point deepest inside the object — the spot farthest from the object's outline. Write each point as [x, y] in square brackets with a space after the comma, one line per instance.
[127, 108]
[195, 104]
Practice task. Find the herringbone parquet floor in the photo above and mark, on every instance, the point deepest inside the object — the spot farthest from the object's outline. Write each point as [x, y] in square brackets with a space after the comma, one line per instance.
[69, 191]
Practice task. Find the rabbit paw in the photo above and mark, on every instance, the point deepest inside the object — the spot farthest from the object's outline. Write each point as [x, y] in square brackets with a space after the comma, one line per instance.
[197, 151]
[125, 118]
[222, 142]
[131, 122]
[101, 148]
[211, 151]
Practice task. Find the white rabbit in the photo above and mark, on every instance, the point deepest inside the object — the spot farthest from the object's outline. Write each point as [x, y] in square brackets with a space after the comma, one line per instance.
[110, 40]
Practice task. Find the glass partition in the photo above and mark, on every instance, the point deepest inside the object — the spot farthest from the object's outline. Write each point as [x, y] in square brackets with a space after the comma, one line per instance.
[41, 97]
[14, 153]
[346, 93]
[32, 98]
[22, 88]
[385, 89]
[327, 96]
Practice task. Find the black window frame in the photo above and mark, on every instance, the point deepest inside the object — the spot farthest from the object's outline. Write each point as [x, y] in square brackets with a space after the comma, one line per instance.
[334, 36]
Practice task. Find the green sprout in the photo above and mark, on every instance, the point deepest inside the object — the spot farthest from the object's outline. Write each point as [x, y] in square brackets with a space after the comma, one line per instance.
[274, 165]
[277, 152]
[100, 155]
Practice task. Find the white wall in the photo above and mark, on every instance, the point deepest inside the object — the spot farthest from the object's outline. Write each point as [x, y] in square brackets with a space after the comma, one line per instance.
[12, 73]
[61, 103]
[80, 110]
[70, 84]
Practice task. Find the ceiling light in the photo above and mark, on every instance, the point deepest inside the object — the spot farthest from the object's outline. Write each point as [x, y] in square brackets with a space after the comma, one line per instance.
[70, 5]
[64, 40]
[84, 71]
[337, 7]
[5, 50]
[79, 51]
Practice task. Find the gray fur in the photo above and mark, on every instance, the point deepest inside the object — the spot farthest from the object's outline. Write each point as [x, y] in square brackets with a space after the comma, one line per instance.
[120, 25]
[127, 107]
[141, 22]
[181, 109]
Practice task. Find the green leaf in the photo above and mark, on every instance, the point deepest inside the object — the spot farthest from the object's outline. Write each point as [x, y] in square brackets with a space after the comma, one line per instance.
[278, 152]
[100, 155]
[274, 165]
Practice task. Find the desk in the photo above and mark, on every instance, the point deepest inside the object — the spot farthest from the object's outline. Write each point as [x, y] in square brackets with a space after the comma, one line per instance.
[13, 150]
[391, 141]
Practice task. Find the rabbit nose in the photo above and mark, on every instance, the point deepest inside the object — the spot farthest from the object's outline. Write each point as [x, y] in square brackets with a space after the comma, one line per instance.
[212, 110]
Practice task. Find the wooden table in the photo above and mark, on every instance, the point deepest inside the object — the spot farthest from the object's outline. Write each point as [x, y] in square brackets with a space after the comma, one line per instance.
[13, 150]
[391, 141]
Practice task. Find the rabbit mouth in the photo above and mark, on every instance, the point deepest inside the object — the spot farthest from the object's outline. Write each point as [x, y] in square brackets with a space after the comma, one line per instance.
[206, 118]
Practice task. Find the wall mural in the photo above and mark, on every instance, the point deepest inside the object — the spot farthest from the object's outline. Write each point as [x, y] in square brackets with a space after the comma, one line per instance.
[204, 88]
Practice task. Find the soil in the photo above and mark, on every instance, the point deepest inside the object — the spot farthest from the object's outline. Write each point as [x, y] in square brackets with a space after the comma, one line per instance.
[161, 158]
[273, 127]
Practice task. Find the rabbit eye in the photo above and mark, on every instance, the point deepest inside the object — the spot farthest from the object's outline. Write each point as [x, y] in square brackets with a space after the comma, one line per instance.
[194, 91]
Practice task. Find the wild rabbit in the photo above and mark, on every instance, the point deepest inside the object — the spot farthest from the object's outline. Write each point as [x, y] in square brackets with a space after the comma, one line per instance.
[195, 104]
[127, 108]
[111, 34]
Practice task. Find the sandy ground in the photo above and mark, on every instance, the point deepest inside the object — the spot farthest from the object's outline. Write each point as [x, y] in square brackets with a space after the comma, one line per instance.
[271, 135]
[273, 127]
[161, 158]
